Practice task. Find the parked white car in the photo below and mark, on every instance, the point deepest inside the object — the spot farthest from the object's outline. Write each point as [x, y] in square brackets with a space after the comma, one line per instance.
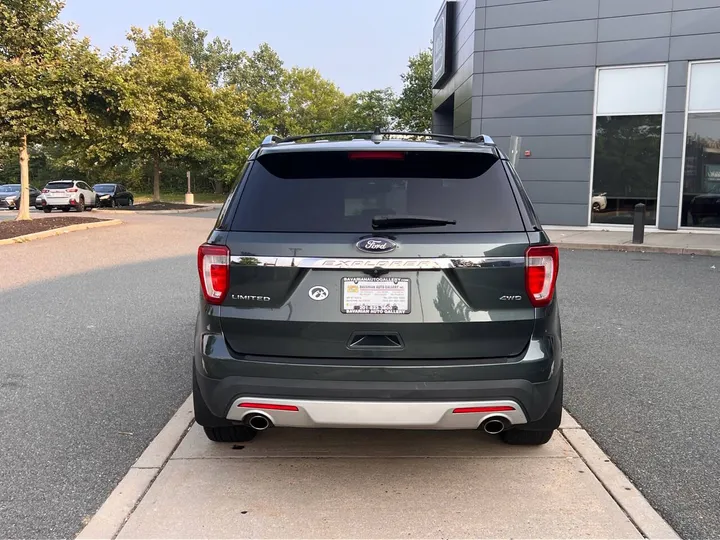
[67, 194]
[599, 202]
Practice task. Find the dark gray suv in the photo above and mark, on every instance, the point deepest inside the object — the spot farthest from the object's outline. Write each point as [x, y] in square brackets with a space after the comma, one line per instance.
[378, 280]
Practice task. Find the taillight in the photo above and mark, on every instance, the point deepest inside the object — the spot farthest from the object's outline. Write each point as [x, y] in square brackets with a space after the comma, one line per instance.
[214, 269]
[46, 191]
[72, 189]
[377, 155]
[541, 271]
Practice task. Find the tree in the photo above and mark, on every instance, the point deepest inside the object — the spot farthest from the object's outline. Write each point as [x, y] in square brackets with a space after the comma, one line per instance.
[52, 85]
[263, 79]
[228, 135]
[167, 100]
[215, 58]
[371, 109]
[414, 106]
[314, 104]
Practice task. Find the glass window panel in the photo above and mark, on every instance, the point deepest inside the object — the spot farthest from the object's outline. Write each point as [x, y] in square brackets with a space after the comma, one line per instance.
[627, 165]
[705, 87]
[701, 188]
[639, 90]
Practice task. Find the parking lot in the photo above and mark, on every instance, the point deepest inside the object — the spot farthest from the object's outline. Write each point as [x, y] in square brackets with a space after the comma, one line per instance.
[97, 331]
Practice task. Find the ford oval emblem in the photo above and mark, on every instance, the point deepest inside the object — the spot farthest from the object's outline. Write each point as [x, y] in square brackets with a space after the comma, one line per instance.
[376, 245]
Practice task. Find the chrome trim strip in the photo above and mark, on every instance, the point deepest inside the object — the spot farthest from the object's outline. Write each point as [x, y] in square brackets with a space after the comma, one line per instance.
[386, 263]
[376, 414]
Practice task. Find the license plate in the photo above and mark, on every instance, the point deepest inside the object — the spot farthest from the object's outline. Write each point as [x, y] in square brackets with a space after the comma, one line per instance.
[376, 295]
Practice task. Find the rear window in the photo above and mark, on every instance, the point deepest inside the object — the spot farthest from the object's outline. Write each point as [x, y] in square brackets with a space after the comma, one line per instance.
[59, 185]
[338, 192]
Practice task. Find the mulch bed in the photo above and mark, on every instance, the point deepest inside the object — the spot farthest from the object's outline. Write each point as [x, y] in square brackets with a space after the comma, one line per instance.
[11, 229]
[162, 206]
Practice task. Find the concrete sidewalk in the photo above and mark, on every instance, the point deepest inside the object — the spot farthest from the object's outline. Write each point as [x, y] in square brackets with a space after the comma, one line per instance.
[681, 243]
[373, 484]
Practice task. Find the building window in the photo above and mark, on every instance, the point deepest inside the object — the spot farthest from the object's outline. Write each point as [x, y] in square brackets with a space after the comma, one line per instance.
[701, 183]
[628, 142]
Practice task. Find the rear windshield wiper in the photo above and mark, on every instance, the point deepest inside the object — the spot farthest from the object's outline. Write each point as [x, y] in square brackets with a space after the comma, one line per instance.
[400, 221]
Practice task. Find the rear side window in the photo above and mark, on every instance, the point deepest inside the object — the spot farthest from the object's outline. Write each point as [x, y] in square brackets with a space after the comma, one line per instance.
[59, 185]
[343, 191]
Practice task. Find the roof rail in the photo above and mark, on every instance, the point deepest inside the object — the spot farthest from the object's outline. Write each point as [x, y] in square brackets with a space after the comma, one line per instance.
[270, 139]
[377, 134]
[484, 139]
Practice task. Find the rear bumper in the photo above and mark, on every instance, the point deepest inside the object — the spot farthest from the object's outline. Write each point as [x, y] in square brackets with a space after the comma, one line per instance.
[429, 403]
[377, 414]
[369, 394]
[61, 201]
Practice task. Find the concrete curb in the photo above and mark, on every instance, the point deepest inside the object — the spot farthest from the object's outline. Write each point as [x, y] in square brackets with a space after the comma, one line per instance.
[183, 211]
[58, 231]
[115, 511]
[650, 524]
[641, 248]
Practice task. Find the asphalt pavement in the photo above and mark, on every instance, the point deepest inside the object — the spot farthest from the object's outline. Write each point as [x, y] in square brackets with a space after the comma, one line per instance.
[94, 365]
[641, 349]
[95, 331]
[6, 215]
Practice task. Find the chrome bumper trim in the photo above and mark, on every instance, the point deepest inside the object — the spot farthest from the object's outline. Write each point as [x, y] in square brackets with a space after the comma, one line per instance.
[390, 264]
[436, 415]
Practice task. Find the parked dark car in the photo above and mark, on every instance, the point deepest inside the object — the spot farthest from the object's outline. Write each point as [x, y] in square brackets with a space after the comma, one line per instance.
[376, 281]
[113, 195]
[10, 196]
[704, 207]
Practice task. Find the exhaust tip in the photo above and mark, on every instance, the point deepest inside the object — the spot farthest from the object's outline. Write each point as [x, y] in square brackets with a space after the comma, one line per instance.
[258, 422]
[493, 426]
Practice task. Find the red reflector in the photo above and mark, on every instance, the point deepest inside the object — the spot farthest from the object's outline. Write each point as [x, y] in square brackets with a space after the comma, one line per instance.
[377, 155]
[268, 406]
[496, 408]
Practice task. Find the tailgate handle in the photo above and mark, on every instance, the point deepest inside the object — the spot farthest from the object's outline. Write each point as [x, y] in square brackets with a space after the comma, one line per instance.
[376, 340]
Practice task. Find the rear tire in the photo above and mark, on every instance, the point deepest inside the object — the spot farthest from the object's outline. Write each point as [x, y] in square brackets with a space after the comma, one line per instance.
[65, 209]
[81, 205]
[540, 431]
[47, 210]
[217, 429]
[526, 438]
[230, 434]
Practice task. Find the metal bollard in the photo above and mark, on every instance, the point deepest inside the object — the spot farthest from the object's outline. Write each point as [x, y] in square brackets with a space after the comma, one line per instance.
[638, 235]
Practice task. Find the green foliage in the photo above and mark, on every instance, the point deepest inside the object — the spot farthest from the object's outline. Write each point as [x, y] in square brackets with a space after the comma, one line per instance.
[414, 105]
[52, 84]
[53, 87]
[371, 109]
[167, 99]
[314, 104]
[262, 77]
[215, 58]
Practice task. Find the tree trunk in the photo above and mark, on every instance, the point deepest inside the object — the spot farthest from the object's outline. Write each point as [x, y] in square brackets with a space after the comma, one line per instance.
[24, 212]
[156, 179]
[218, 186]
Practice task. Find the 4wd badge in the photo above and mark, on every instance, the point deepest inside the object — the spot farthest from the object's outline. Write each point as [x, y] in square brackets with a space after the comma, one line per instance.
[376, 245]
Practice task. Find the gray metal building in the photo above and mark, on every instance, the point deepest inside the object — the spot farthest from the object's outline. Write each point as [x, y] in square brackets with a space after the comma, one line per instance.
[617, 102]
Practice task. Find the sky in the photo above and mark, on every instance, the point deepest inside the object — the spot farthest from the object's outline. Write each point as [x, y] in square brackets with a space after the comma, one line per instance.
[357, 44]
